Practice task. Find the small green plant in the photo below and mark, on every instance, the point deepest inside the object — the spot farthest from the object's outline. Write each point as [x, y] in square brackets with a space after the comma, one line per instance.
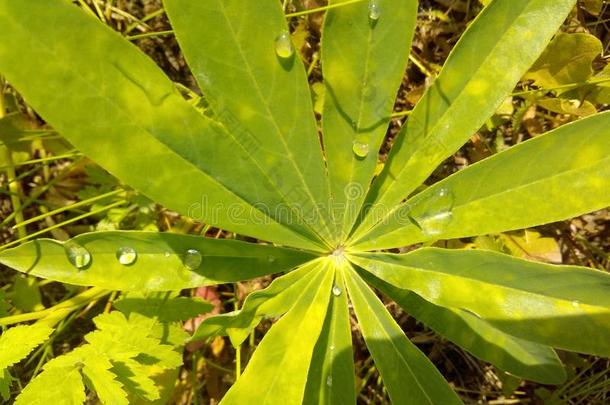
[253, 163]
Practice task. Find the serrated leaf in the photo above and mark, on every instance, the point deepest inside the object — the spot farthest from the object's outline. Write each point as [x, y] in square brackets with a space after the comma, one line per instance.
[511, 190]
[271, 302]
[519, 357]
[487, 62]
[60, 385]
[165, 310]
[547, 304]
[363, 63]
[159, 265]
[122, 338]
[108, 389]
[278, 369]
[135, 378]
[407, 373]
[17, 342]
[94, 95]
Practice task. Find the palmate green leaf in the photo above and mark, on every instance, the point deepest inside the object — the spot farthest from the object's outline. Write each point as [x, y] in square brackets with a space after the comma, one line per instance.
[519, 357]
[364, 62]
[483, 68]
[559, 175]
[547, 304]
[165, 310]
[278, 369]
[160, 264]
[331, 373]
[261, 97]
[117, 107]
[408, 375]
[61, 386]
[270, 302]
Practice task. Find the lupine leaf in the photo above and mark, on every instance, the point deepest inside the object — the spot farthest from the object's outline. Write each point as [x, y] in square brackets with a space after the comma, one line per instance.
[160, 263]
[278, 369]
[492, 55]
[543, 303]
[270, 302]
[364, 62]
[517, 356]
[406, 372]
[555, 176]
[165, 310]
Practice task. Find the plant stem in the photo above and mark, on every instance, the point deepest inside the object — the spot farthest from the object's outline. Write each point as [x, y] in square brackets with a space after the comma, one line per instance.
[318, 9]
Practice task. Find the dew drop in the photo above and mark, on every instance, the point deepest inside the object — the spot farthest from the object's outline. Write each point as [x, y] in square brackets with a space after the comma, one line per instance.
[575, 303]
[336, 291]
[283, 45]
[166, 254]
[374, 11]
[361, 149]
[192, 259]
[271, 259]
[329, 381]
[77, 254]
[126, 255]
[433, 214]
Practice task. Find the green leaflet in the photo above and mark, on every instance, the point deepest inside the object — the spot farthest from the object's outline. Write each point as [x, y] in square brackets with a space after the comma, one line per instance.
[120, 357]
[262, 98]
[547, 304]
[61, 386]
[161, 263]
[363, 63]
[519, 357]
[331, 373]
[95, 95]
[17, 342]
[278, 369]
[271, 302]
[406, 372]
[492, 55]
[561, 174]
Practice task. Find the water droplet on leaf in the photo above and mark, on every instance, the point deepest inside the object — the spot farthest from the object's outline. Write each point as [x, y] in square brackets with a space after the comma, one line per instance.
[361, 149]
[77, 254]
[166, 254]
[126, 255]
[329, 381]
[271, 259]
[575, 303]
[433, 214]
[283, 45]
[192, 259]
[336, 291]
[374, 11]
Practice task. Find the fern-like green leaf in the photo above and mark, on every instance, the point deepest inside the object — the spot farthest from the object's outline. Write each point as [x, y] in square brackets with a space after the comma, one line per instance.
[57, 386]
[18, 342]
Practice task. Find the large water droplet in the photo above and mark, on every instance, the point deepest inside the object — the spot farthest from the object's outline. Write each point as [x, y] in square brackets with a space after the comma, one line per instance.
[374, 11]
[336, 291]
[126, 255]
[77, 254]
[283, 45]
[192, 259]
[360, 148]
[433, 214]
